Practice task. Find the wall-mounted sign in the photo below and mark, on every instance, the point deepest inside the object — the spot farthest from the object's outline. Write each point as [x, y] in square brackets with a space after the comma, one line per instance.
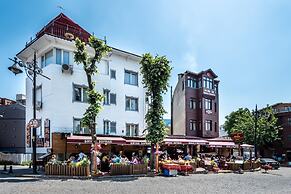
[47, 133]
[34, 123]
[28, 136]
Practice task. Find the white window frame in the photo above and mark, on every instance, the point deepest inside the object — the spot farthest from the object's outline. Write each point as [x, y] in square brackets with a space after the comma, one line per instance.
[133, 129]
[82, 87]
[130, 103]
[131, 73]
[62, 56]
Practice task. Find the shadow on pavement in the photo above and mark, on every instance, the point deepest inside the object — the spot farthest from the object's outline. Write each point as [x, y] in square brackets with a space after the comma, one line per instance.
[17, 180]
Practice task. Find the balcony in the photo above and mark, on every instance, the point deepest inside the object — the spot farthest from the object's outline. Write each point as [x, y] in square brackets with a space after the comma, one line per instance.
[282, 110]
[62, 30]
[210, 92]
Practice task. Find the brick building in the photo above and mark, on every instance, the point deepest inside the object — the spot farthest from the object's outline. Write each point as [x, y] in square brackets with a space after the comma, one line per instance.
[196, 105]
[283, 113]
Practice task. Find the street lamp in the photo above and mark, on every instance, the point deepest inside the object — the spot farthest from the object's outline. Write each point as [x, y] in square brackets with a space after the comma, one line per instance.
[255, 132]
[31, 70]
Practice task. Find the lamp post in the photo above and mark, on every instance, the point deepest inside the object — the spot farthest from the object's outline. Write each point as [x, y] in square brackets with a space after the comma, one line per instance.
[31, 70]
[255, 131]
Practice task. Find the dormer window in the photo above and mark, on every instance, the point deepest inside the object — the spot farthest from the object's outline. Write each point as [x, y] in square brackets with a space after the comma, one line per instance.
[191, 82]
[207, 82]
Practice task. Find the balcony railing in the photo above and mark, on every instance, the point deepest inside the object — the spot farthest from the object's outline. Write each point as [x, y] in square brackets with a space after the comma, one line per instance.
[60, 30]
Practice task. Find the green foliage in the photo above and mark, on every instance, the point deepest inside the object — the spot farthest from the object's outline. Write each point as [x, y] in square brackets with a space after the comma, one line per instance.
[243, 120]
[156, 74]
[89, 64]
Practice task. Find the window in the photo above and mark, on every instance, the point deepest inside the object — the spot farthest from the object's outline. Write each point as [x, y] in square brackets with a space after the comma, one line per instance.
[199, 83]
[208, 104]
[215, 106]
[131, 103]
[200, 104]
[113, 127]
[66, 57]
[215, 127]
[112, 74]
[208, 125]
[191, 82]
[80, 93]
[58, 56]
[289, 121]
[109, 98]
[62, 57]
[109, 127]
[130, 78]
[192, 125]
[78, 128]
[131, 129]
[112, 98]
[47, 58]
[106, 96]
[106, 125]
[207, 82]
[192, 103]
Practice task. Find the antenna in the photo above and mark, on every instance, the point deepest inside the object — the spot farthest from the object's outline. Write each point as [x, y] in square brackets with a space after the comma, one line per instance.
[105, 40]
[61, 8]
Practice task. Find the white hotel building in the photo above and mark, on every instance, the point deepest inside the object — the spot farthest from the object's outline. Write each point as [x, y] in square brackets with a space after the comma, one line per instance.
[63, 99]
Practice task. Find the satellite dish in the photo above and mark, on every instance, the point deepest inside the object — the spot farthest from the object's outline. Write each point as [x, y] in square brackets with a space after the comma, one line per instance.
[69, 36]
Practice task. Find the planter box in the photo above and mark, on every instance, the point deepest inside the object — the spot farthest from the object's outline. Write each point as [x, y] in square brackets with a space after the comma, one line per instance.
[65, 170]
[120, 169]
[128, 169]
[233, 166]
[139, 169]
[247, 166]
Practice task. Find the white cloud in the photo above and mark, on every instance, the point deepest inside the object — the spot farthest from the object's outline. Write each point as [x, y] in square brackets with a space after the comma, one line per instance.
[190, 61]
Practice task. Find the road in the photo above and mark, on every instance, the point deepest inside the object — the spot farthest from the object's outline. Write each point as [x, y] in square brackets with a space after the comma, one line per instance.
[276, 181]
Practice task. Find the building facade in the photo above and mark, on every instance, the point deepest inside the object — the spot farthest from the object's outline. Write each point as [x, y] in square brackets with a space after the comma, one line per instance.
[283, 113]
[196, 105]
[12, 128]
[62, 100]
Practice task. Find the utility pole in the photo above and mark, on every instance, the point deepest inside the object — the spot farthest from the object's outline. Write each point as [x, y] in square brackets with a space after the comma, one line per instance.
[30, 67]
[255, 132]
[34, 116]
[172, 111]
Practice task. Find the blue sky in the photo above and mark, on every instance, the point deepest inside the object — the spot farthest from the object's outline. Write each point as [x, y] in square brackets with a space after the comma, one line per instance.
[247, 43]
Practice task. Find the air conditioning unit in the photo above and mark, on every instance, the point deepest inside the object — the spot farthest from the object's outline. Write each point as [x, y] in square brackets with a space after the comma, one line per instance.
[67, 68]
[38, 105]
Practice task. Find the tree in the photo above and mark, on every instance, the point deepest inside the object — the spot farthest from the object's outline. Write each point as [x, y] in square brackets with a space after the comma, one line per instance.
[243, 120]
[156, 74]
[90, 67]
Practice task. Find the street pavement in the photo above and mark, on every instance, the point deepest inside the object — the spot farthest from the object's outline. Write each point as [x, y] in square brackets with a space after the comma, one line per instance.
[276, 181]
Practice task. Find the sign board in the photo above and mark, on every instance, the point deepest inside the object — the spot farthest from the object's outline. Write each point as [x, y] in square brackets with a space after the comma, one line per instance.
[47, 133]
[28, 136]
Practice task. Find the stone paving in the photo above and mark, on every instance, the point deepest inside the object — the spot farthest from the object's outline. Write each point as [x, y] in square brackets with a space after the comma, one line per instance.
[276, 181]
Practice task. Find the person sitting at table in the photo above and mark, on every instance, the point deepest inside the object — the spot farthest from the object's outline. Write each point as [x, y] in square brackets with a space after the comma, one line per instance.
[134, 160]
[124, 160]
[72, 159]
[188, 157]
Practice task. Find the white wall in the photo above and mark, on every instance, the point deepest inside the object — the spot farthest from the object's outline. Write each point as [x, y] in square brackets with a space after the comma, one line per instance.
[57, 93]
